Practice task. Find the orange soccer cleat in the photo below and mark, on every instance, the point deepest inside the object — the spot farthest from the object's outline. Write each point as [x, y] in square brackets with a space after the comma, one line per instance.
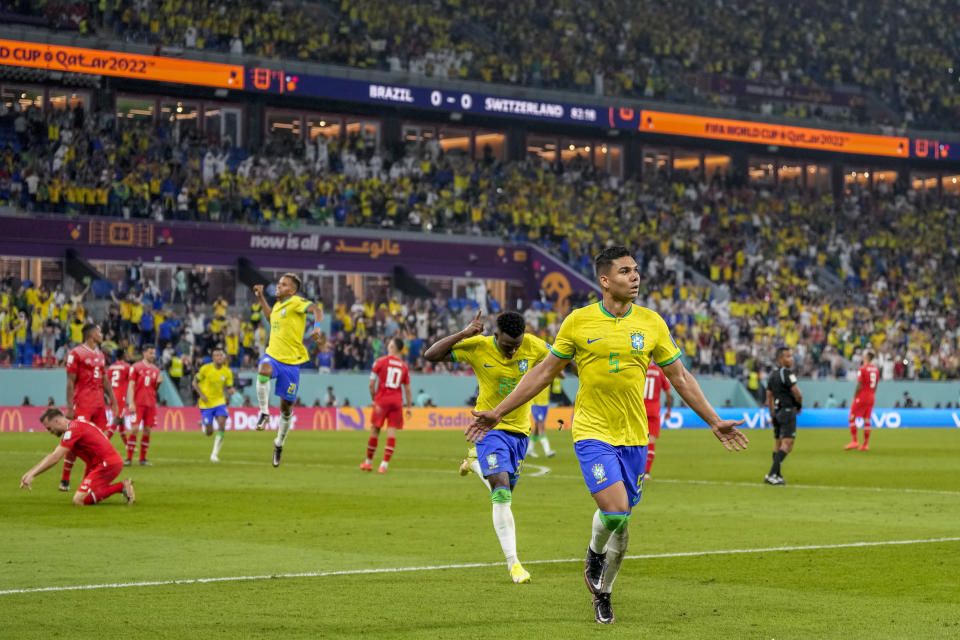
[864, 447]
[852, 445]
[366, 466]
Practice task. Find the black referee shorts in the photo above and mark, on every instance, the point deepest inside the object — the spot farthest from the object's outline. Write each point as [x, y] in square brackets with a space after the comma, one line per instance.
[784, 423]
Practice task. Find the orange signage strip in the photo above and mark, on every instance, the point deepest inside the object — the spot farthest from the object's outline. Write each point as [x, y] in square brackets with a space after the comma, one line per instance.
[772, 134]
[124, 65]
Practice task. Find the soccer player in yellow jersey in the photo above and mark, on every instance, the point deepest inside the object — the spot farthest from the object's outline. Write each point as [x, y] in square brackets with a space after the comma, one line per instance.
[209, 383]
[612, 343]
[499, 361]
[285, 353]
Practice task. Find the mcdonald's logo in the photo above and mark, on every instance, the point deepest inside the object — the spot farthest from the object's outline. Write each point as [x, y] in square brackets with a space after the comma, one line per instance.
[11, 417]
[173, 417]
[324, 420]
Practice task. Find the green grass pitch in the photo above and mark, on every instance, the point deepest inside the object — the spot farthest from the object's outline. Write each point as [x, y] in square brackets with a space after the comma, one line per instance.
[318, 514]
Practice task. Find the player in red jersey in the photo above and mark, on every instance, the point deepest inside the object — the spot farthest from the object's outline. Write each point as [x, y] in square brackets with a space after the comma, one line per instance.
[84, 440]
[118, 373]
[655, 383]
[145, 379]
[390, 373]
[87, 385]
[868, 376]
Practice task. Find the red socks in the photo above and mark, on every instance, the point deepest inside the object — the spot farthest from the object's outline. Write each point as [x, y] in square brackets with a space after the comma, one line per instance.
[131, 444]
[866, 432]
[651, 454]
[144, 445]
[371, 447]
[388, 450]
[93, 498]
[853, 431]
[67, 466]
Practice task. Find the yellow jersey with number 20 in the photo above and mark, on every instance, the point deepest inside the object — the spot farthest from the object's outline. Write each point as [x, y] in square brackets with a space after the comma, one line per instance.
[288, 321]
[497, 376]
[612, 355]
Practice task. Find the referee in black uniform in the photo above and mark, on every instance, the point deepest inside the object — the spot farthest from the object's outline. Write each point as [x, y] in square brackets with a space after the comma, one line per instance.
[784, 401]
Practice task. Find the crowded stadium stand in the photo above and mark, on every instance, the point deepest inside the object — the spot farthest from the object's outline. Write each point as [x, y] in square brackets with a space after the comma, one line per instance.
[890, 63]
[750, 233]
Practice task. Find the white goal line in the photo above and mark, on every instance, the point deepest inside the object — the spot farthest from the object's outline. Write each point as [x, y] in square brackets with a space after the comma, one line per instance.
[475, 565]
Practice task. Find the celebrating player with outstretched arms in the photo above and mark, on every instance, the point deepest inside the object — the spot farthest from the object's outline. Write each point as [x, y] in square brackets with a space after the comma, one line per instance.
[612, 343]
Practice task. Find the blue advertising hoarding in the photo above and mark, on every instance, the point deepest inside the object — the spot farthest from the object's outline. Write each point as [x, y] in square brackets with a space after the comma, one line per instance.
[821, 418]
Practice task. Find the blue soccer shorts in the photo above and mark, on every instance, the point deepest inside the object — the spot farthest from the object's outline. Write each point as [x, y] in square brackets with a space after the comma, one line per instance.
[287, 375]
[539, 412]
[502, 451]
[604, 464]
[207, 415]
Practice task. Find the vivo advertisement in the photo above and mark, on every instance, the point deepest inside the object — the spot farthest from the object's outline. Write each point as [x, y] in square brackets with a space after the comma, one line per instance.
[819, 418]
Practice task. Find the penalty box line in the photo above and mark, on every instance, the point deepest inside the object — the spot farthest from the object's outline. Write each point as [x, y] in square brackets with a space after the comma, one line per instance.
[474, 565]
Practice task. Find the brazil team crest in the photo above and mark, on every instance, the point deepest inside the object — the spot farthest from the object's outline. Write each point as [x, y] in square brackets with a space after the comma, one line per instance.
[636, 342]
[492, 460]
[522, 365]
[599, 473]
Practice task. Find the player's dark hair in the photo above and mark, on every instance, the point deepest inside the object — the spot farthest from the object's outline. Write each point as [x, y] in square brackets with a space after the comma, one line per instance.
[781, 351]
[87, 330]
[293, 278]
[398, 343]
[148, 346]
[511, 323]
[870, 355]
[51, 412]
[605, 258]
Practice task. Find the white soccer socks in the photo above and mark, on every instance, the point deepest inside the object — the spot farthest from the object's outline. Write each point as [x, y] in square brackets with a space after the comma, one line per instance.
[475, 467]
[503, 524]
[217, 443]
[616, 550]
[285, 421]
[263, 393]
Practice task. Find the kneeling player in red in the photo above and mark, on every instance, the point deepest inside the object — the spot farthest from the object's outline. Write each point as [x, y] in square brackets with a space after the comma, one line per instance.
[91, 445]
[389, 373]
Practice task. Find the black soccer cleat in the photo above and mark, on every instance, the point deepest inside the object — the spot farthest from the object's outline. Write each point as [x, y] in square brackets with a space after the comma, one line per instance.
[602, 609]
[263, 421]
[64, 486]
[277, 452]
[593, 570]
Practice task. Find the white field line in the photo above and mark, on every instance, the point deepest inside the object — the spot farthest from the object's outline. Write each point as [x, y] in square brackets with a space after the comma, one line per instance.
[475, 565]
[542, 473]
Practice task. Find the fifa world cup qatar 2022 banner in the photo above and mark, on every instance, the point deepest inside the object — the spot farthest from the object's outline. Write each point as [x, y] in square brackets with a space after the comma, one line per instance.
[26, 419]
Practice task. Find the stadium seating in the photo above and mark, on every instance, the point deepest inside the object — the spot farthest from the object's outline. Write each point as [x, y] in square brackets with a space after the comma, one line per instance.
[689, 53]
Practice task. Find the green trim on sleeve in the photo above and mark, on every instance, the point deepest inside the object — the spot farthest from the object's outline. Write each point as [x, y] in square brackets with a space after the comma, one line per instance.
[560, 355]
[670, 361]
[453, 355]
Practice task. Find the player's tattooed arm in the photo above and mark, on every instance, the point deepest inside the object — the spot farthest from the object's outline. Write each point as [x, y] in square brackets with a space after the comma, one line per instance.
[439, 351]
[317, 314]
[258, 291]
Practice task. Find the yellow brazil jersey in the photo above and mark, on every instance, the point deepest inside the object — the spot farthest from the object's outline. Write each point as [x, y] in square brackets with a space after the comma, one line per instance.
[497, 376]
[288, 320]
[612, 355]
[212, 382]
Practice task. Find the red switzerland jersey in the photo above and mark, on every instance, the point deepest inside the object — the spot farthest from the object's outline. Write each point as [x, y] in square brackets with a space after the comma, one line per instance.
[119, 376]
[144, 378]
[868, 376]
[89, 444]
[655, 383]
[392, 372]
[90, 366]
